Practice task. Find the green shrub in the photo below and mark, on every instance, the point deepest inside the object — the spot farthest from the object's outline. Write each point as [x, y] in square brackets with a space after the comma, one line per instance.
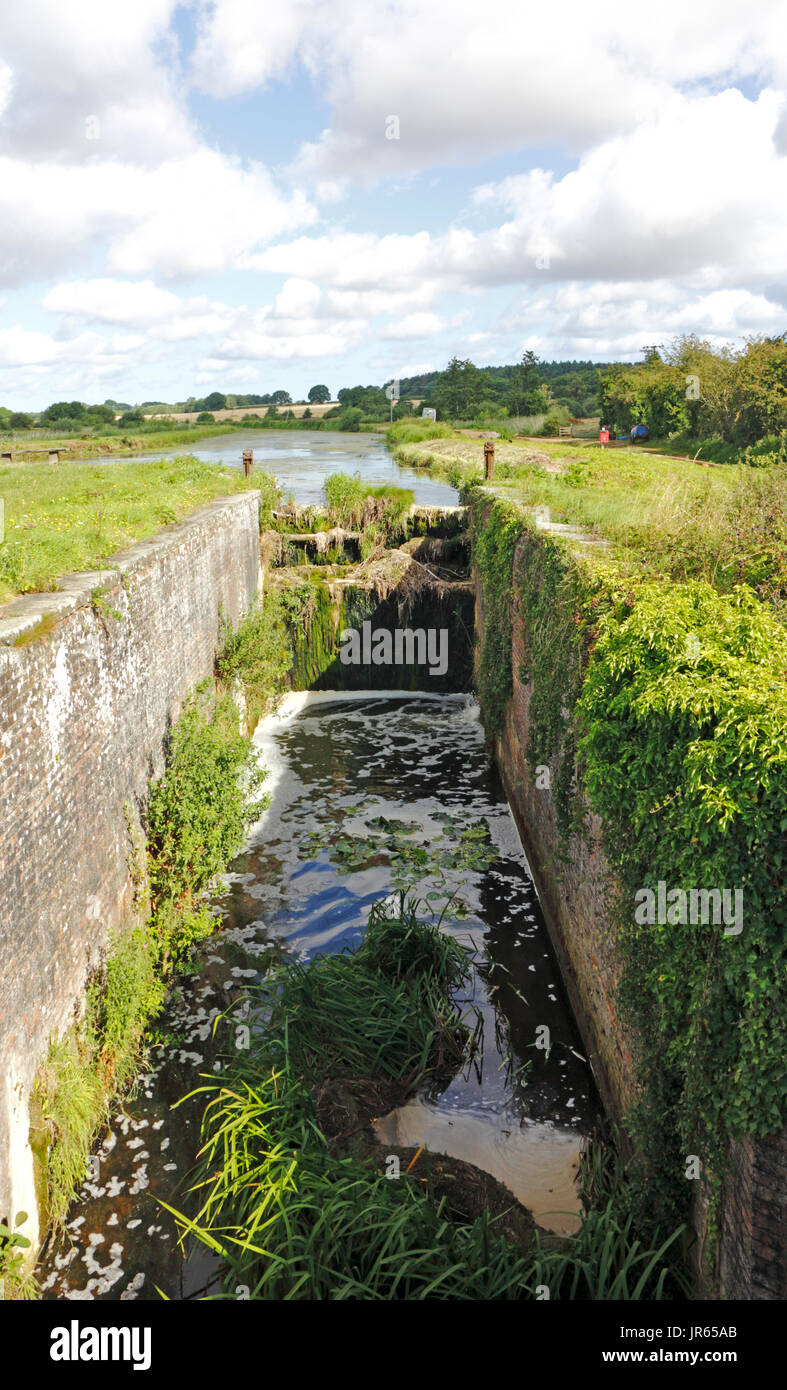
[257, 654]
[198, 811]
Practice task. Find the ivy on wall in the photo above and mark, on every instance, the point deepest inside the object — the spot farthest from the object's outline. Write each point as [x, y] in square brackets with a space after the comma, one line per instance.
[663, 708]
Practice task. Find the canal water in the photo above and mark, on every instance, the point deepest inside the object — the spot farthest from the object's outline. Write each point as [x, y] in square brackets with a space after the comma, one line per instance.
[369, 795]
[302, 459]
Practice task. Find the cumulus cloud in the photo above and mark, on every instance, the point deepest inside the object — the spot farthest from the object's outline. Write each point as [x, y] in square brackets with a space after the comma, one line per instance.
[465, 80]
[615, 319]
[656, 207]
[697, 191]
[87, 77]
[139, 304]
[190, 216]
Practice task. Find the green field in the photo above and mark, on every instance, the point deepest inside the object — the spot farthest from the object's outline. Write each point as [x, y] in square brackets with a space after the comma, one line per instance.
[64, 518]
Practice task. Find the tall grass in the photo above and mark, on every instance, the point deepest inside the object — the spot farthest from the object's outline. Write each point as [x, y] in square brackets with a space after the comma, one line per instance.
[296, 1212]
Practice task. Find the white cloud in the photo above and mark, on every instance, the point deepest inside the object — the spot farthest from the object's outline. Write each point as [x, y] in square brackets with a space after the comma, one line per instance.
[297, 299]
[190, 216]
[697, 191]
[615, 319]
[22, 347]
[416, 326]
[140, 304]
[86, 77]
[465, 80]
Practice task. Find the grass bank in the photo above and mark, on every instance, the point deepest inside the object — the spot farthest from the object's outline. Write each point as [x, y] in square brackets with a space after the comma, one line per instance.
[299, 1200]
[61, 519]
[26, 447]
[663, 516]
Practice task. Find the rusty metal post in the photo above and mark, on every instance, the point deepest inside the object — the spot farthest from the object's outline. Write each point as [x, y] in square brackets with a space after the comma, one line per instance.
[248, 461]
[489, 458]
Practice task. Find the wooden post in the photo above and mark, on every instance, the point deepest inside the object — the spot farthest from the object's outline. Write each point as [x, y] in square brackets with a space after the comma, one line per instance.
[6, 454]
[248, 461]
[489, 459]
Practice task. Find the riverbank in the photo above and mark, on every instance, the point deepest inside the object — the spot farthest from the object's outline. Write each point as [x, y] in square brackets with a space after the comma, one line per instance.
[32, 445]
[663, 516]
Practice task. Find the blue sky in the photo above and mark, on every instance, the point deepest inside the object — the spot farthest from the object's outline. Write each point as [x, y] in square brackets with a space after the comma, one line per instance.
[207, 195]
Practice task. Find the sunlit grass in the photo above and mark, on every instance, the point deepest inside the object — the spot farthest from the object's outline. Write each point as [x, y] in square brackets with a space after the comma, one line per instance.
[61, 518]
[726, 523]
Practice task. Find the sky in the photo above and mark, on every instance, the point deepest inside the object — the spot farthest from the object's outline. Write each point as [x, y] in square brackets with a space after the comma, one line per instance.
[236, 196]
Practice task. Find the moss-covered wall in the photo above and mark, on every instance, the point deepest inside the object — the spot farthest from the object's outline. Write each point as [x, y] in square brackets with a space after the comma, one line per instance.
[329, 606]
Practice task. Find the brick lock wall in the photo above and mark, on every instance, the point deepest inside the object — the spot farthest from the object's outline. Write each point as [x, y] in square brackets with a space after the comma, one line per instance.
[577, 895]
[84, 712]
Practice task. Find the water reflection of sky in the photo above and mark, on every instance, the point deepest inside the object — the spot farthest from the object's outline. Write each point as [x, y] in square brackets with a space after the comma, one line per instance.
[400, 777]
[339, 766]
[302, 459]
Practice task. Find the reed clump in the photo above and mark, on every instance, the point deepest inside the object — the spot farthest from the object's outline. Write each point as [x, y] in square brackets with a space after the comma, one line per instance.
[298, 1200]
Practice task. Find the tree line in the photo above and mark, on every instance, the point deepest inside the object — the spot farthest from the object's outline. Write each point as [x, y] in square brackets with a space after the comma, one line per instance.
[731, 396]
[735, 396]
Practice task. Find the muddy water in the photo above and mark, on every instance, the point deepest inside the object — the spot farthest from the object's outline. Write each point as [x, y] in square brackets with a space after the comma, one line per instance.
[369, 795]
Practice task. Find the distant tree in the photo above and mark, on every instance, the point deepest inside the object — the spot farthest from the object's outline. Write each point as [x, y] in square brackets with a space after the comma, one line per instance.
[20, 421]
[215, 401]
[281, 398]
[307, 415]
[526, 395]
[350, 419]
[63, 410]
[371, 400]
[319, 395]
[205, 418]
[100, 415]
[132, 417]
[460, 390]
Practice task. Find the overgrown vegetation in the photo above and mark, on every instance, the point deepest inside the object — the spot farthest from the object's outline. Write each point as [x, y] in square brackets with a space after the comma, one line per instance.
[660, 516]
[732, 395]
[15, 1282]
[663, 708]
[294, 1195]
[257, 654]
[379, 512]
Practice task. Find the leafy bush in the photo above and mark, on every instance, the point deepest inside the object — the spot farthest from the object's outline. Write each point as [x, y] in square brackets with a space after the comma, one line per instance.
[198, 811]
[684, 748]
[257, 654]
